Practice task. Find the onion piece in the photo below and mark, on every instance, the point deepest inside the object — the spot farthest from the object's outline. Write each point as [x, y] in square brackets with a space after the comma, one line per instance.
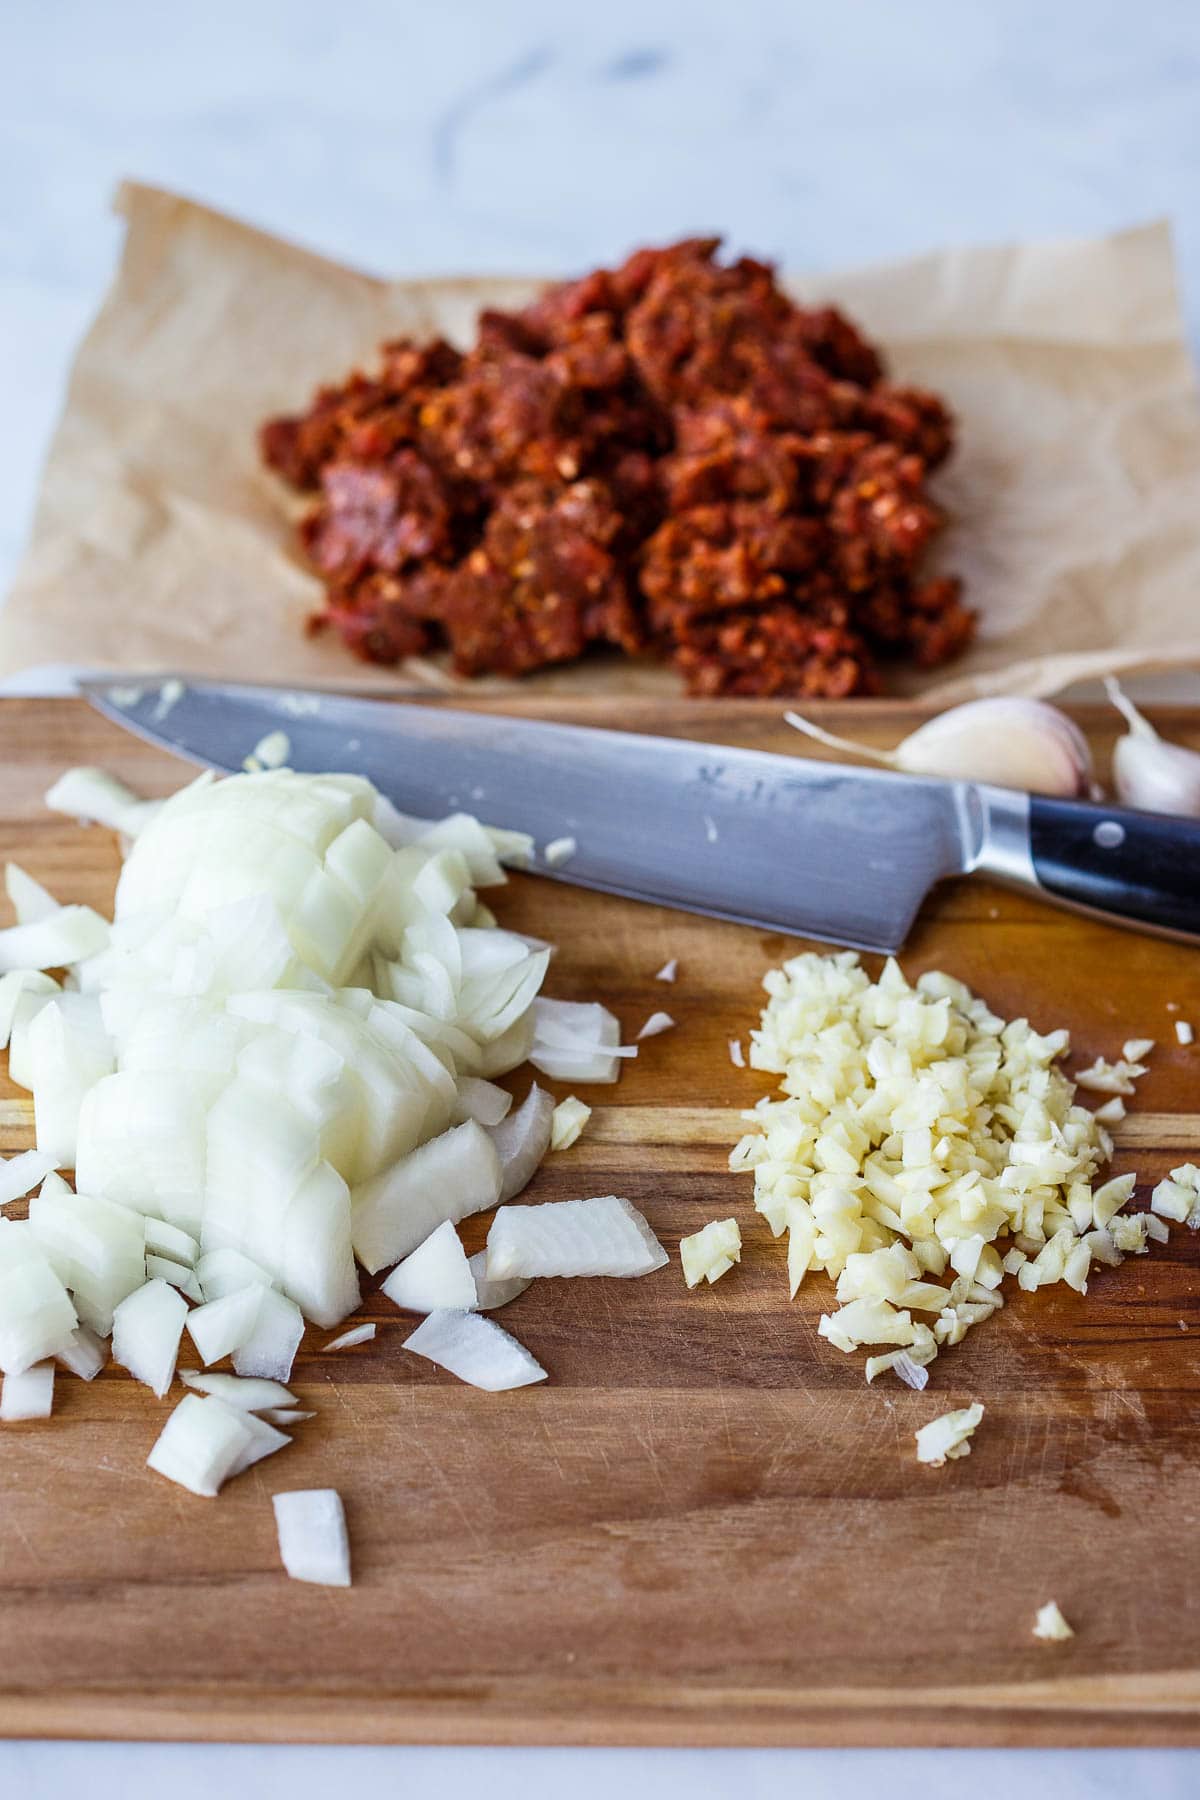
[99, 799]
[69, 1052]
[265, 1440]
[69, 935]
[34, 988]
[200, 1443]
[270, 1350]
[313, 1542]
[316, 1264]
[436, 1277]
[656, 1024]
[84, 1353]
[31, 901]
[448, 1178]
[21, 1173]
[491, 1295]
[287, 1415]
[221, 1326]
[577, 1042]
[28, 1395]
[475, 1349]
[95, 1247]
[147, 1327]
[166, 1240]
[36, 1314]
[358, 1334]
[482, 1101]
[162, 1268]
[224, 1272]
[601, 1236]
[249, 1393]
[669, 970]
[523, 1140]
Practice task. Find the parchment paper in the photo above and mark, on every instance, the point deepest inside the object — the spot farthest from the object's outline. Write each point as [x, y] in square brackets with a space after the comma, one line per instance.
[159, 543]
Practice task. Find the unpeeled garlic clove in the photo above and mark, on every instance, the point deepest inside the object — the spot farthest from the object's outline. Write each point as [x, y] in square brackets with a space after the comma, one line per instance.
[1148, 772]
[1008, 740]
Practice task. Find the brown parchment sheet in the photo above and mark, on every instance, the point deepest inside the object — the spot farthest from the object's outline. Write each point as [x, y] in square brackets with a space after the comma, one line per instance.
[159, 543]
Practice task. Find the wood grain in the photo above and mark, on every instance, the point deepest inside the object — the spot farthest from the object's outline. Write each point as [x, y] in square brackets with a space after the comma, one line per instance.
[704, 1528]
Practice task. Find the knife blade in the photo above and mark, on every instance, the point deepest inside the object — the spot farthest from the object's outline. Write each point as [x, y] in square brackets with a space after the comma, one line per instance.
[814, 849]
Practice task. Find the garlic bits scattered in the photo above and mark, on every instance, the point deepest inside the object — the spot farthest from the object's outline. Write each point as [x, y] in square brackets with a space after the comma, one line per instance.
[1009, 740]
[924, 1148]
[1149, 772]
[948, 1436]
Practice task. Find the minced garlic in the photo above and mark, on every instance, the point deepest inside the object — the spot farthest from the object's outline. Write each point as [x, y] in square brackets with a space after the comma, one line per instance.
[710, 1253]
[923, 1149]
[567, 1121]
[948, 1435]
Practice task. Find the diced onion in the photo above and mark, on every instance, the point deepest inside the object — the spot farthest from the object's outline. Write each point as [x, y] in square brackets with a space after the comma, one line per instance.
[270, 1350]
[490, 1295]
[85, 1353]
[221, 1326]
[603, 1236]
[358, 1334]
[522, 1140]
[446, 1179]
[248, 1393]
[147, 1327]
[29, 1394]
[313, 1541]
[200, 1444]
[435, 1277]
[475, 1349]
[20, 1174]
[31, 901]
[99, 799]
[655, 1025]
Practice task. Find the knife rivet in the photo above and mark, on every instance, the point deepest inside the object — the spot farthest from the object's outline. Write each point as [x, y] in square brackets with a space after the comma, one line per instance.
[1108, 835]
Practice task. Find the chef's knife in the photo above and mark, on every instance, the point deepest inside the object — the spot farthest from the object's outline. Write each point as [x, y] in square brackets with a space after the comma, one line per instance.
[814, 849]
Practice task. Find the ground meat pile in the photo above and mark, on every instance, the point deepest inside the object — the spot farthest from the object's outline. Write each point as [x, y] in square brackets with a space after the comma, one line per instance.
[670, 458]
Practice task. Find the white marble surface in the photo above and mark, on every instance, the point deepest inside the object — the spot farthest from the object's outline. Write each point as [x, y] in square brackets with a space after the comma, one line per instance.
[528, 134]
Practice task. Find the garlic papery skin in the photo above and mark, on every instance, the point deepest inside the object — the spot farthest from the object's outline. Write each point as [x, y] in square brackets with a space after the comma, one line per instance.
[1008, 740]
[1148, 772]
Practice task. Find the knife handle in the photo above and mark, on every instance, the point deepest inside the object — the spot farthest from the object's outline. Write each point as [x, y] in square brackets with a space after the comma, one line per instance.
[1135, 868]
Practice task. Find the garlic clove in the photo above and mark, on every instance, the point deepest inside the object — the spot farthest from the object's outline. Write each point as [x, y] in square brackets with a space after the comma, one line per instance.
[1148, 772]
[1008, 740]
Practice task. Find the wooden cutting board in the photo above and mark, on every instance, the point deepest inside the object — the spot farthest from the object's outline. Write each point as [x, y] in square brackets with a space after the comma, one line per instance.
[703, 1528]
